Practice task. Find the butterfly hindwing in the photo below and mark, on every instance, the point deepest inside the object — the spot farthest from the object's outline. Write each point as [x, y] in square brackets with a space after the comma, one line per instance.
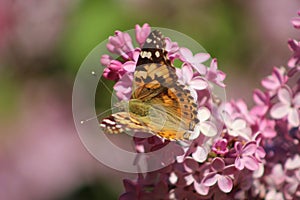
[121, 122]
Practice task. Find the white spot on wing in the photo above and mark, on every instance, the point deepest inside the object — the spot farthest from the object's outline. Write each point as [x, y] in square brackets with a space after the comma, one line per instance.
[149, 40]
[108, 121]
[157, 54]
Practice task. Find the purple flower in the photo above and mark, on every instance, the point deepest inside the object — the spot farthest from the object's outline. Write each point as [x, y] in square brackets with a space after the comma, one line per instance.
[220, 147]
[275, 81]
[123, 87]
[293, 163]
[200, 154]
[244, 156]
[214, 75]
[236, 126]
[277, 176]
[121, 44]
[172, 48]
[266, 127]
[205, 126]
[294, 45]
[291, 189]
[287, 106]
[296, 21]
[147, 188]
[141, 33]
[114, 71]
[272, 194]
[262, 101]
[195, 175]
[220, 174]
[105, 60]
[195, 61]
[186, 77]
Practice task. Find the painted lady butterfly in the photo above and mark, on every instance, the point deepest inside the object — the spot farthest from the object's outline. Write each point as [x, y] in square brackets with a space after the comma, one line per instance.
[159, 104]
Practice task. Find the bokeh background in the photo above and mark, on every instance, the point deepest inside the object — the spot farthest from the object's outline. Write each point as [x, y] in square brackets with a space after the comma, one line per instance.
[42, 44]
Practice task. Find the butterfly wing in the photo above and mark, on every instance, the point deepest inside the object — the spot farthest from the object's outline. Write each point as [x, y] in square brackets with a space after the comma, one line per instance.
[156, 82]
[121, 122]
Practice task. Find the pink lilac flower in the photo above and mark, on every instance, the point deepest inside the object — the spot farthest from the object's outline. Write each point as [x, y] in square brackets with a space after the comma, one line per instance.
[201, 153]
[195, 61]
[205, 126]
[236, 127]
[266, 127]
[277, 176]
[260, 152]
[241, 108]
[288, 105]
[275, 81]
[172, 48]
[141, 33]
[186, 77]
[214, 75]
[221, 175]
[296, 21]
[123, 87]
[291, 189]
[114, 71]
[262, 101]
[220, 146]
[195, 175]
[105, 60]
[121, 44]
[273, 194]
[294, 46]
[248, 150]
[157, 189]
[293, 163]
[245, 156]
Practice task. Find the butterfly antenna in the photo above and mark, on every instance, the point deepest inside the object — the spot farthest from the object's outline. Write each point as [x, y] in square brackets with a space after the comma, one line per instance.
[107, 88]
[102, 82]
[97, 116]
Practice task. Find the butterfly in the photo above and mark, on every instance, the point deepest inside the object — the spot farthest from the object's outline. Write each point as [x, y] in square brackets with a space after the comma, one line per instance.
[159, 104]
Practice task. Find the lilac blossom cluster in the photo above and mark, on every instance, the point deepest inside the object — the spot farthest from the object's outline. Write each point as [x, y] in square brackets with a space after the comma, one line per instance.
[255, 156]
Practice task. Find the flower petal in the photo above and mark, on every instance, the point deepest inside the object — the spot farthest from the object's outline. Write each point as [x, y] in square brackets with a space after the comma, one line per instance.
[250, 163]
[200, 154]
[208, 129]
[210, 179]
[190, 165]
[218, 164]
[285, 96]
[185, 54]
[200, 68]
[189, 179]
[292, 163]
[279, 110]
[198, 83]
[249, 148]
[201, 188]
[187, 73]
[201, 57]
[293, 117]
[203, 114]
[225, 184]
[238, 124]
[296, 100]
[238, 163]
